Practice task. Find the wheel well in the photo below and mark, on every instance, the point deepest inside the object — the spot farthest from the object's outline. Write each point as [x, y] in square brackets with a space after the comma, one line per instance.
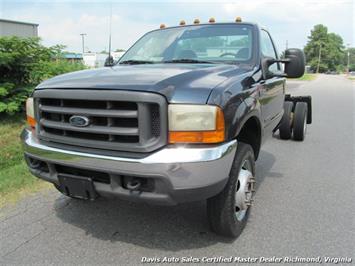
[251, 134]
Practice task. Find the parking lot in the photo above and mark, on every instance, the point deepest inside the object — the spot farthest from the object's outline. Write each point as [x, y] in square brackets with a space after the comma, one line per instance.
[304, 205]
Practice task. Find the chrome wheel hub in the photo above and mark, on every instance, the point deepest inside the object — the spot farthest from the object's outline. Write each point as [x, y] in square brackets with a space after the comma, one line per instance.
[245, 188]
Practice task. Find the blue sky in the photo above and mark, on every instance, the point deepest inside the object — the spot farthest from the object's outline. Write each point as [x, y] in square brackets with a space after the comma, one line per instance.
[61, 22]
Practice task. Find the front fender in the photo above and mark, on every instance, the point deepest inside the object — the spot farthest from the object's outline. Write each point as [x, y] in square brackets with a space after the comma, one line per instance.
[236, 114]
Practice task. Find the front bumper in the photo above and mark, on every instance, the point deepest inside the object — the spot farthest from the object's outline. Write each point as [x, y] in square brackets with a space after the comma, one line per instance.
[179, 174]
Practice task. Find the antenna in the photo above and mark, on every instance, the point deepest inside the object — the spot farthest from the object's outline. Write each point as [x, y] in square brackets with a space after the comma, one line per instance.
[109, 60]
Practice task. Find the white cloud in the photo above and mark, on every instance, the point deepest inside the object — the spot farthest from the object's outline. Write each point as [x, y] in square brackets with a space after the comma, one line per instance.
[66, 30]
[287, 20]
[288, 11]
[293, 20]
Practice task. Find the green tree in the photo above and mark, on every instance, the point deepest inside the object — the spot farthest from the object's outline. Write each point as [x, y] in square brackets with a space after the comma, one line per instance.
[25, 62]
[328, 45]
[18, 57]
[201, 44]
[335, 52]
[242, 42]
[351, 52]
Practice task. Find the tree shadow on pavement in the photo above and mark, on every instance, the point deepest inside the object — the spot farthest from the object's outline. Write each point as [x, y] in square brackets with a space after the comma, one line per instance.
[170, 228]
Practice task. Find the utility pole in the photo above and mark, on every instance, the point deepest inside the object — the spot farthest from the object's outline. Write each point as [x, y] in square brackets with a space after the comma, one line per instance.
[319, 56]
[348, 64]
[286, 47]
[83, 41]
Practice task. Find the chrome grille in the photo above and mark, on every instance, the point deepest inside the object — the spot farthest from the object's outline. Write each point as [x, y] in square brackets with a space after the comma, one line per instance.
[118, 120]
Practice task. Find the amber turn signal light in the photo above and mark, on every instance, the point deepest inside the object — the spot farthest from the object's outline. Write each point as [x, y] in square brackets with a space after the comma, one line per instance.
[31, 121]
[30, 113]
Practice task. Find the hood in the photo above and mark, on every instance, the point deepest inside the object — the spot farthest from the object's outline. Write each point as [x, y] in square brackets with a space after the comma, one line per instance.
[179, 83]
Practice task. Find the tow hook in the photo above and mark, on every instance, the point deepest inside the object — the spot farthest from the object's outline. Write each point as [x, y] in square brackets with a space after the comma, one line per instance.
[133, 184]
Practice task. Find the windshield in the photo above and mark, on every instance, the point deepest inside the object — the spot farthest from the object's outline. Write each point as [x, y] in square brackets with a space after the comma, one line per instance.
[205, 43]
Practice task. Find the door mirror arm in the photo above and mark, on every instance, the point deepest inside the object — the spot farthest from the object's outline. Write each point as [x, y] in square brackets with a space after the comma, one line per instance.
[265, 64]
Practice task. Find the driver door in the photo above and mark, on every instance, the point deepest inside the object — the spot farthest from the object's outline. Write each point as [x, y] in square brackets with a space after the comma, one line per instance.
[273, 89]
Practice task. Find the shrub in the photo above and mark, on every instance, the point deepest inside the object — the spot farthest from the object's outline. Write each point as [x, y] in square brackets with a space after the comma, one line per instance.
[24, 63]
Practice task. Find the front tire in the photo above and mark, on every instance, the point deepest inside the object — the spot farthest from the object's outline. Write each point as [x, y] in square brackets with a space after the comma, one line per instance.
[228, 211]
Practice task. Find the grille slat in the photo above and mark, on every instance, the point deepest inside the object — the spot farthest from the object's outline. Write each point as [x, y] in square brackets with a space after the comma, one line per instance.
[118, 120]
[89, 112]
[126, 131]
[92, 143]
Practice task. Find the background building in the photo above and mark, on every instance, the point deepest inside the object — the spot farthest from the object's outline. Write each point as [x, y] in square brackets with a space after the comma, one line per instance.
[117, 55]
[73, 57]
[18, 28]
[94, 60]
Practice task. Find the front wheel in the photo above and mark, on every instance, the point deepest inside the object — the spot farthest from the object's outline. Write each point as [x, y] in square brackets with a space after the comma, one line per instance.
[228, 211]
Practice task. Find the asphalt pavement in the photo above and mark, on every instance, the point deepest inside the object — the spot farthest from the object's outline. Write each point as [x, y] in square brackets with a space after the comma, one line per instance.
[304, 205]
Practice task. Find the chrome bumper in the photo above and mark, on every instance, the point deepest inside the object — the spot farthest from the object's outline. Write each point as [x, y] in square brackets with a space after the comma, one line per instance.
[184, 173]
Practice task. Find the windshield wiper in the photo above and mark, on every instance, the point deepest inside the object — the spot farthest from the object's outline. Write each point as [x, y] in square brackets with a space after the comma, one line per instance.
[188, 61]
[135, 62]
[182, 60]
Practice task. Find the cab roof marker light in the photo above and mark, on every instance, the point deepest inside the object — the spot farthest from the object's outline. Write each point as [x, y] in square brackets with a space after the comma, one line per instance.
[182, 23]
[238, 19]
[196, 21]
[162, 26]
[212, 20]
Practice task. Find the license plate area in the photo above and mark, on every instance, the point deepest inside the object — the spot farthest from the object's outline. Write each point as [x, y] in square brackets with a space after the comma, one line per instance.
[77, 186]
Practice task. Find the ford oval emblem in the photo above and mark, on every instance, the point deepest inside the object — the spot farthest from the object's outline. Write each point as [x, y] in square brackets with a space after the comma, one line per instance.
[79, 121]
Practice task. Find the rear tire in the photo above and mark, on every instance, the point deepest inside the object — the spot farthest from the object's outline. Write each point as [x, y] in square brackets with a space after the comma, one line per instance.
[285, 128]
[227, 211]
[300, 121]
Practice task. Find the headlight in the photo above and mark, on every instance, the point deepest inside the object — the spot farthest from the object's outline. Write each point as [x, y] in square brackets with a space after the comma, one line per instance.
[30, 113]
[195, 124]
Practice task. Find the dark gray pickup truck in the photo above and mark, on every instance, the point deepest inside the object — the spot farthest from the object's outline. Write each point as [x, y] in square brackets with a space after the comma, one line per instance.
[180, 117]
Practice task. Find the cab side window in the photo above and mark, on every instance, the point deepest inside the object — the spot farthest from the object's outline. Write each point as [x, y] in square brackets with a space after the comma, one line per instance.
[268, 49]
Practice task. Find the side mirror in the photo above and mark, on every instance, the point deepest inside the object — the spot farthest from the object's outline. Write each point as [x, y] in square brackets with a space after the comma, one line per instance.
[294, 63]
[109, 61]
